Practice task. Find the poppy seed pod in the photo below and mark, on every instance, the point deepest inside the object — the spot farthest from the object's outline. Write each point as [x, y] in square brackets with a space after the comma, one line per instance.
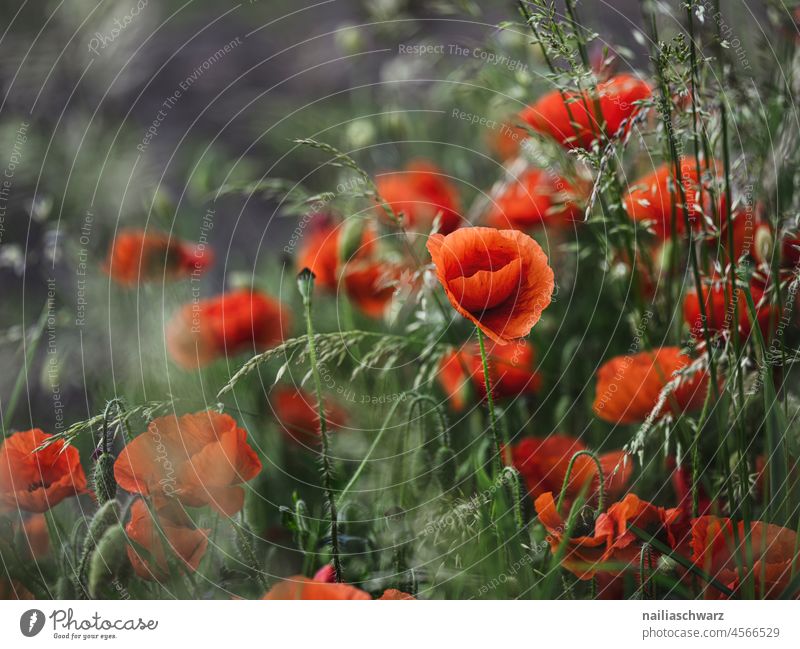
[305, 284]
[105, 486]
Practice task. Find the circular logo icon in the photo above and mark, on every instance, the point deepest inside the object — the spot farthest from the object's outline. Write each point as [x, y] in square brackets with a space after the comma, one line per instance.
[31, 622]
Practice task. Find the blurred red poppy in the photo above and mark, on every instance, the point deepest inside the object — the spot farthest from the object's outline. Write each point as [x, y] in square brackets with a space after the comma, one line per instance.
[139, 256]
[370, 285]
[512, 372]
[36, 536]
[498, 279]
[719, 310]
[543, 463]
[653, 197]
[180, 540]
[719, 547]
[322, 251]
[296, 411]
[418, 195]
[34, 480]
[628, 387]
[393, 593]
[199, 459]
[299, 587]
[572, 118]
[538, 197]
[202, 331]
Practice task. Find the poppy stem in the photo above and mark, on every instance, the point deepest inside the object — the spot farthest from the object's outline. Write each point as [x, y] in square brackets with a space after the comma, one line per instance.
[498, 448]
[601, 491]
[305, 283]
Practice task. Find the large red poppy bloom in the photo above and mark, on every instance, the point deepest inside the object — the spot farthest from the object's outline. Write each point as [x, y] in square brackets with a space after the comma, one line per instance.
[200, 459]
[512, 372]
[628, 387]
[34, 480]
[139, 256]
[719, 548]
[498, 279]
[538, 197]
[228, 324]
[419, 194]
[543, 463]
[299, 587]
[296, 410]
[653, 197]
[180, 539]
[720, 313]
[575, 122]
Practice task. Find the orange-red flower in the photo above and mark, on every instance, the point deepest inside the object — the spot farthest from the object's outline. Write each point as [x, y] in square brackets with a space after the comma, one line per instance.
[537, 197]
[575, 122]
[180, 539]
[321, 252]
[370, 285]
[719, 310]
[628, 387]
[418, 195]
[296, 410]
[498, 279]
[719, 548]
[139, 256]
[543, 463]
[653, 197]
[234, 322]
[299, 587]
[200, 459]
[393, 593]
[512, 372]
[608, 546]
[34, 480]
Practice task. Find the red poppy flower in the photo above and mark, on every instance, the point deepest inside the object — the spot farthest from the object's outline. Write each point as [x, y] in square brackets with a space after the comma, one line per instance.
[720, 313]
[34, 480]
[512, 372]
[36, 536]
[299, 587]
[608, 546]
[296, 410]
[140, 256]
[537, 197]
[393, 593]
[180, 539]
[584, 552]
[575, 122]
[321, 252]
[419, 194]
[200, 459]
[370, 285]
[228, 324]
[505, 141]
[720, 550]
[628, 387]
[543, 464]
[498, 279]
[652, 198]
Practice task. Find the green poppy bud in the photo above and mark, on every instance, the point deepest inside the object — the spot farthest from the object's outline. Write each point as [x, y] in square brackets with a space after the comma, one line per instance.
[105, 486]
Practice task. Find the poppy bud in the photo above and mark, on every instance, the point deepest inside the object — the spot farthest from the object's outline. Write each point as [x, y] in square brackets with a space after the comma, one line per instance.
[445, 463]
[350, 240]
[110, 559]
[305, 284]
[105, 486]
